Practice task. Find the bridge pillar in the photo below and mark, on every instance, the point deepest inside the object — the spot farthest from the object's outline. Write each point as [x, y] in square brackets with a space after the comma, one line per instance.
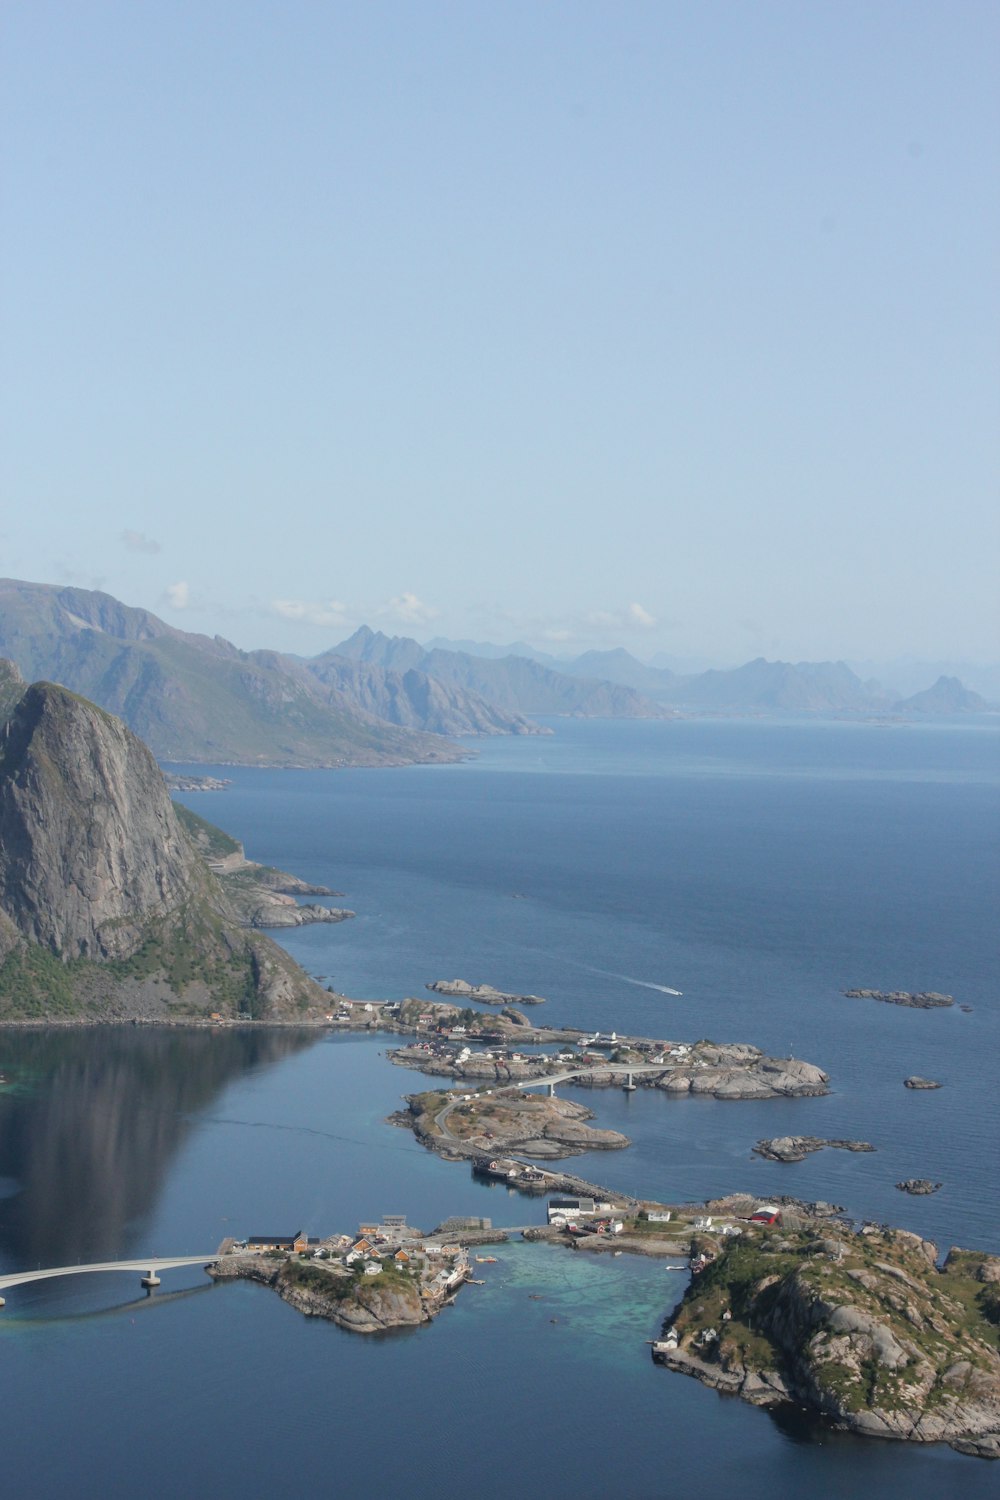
[150, 1281]
[552, 1090]
[3, 1301]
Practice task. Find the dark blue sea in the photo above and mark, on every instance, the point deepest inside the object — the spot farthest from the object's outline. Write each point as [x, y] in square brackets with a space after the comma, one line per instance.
[761, 869]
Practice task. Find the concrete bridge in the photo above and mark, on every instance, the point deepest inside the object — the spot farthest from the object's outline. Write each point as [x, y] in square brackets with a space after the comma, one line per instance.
[628, 1069]
[149, 1266]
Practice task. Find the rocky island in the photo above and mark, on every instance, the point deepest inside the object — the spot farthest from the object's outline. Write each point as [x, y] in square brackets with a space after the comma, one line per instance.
[798, 1147]
[484, 993]
[733, 1070]
[383, 1277]
[919, 1000]
[466, 1125]
[860, 1326]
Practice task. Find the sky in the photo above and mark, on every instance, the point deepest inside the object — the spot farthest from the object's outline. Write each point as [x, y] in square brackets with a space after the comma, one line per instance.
[658, 325]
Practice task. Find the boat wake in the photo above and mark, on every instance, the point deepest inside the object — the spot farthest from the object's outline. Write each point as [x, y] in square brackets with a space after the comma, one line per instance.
[575, 963]
[643, 984]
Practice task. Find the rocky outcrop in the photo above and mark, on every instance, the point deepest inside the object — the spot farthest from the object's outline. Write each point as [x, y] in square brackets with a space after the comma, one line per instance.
[106, 908]
[542, 1128]
[861, 1327]
[915, 1082]
[484, 993]
[359, 1303]
[915, 1000]
[798, 1147]
[743, 1072]
[919, 1186]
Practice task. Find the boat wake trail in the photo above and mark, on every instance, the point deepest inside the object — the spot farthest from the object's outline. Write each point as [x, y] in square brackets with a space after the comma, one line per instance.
[642, 984]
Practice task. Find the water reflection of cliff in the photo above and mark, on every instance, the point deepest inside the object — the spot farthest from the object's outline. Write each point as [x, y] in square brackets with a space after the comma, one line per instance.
[90, 1141]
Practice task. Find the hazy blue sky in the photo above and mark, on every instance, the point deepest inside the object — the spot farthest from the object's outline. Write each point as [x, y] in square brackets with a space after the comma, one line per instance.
[656, 324]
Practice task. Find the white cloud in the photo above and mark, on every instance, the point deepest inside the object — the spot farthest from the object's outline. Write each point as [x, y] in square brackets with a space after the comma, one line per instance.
[178, 595]
[633, 617]
[407, 609]
[330, 612]
[640, 617]
[138, 541]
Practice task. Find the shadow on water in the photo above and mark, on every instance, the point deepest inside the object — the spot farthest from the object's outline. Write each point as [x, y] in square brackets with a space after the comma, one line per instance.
[26, 1318]
[90, 1141]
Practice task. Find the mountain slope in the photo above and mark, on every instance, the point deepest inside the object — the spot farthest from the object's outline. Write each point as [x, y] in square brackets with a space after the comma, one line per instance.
[779, 686]
[947, 696]
[513, 683]
[105, 905]
[192, 697]
[412, 699]
[622, 667]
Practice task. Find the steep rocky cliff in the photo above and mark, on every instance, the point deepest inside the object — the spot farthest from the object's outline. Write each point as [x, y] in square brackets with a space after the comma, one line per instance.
[105, 905]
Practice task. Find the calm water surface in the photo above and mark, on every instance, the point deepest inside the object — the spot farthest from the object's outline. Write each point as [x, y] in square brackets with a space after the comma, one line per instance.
[760, 869]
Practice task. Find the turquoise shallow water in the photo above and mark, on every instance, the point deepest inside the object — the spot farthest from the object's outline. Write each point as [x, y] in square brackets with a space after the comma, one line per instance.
[760, 869]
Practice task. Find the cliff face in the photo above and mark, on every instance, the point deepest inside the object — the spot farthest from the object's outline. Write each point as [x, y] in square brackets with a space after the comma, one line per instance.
[92, 850]
[105, 905]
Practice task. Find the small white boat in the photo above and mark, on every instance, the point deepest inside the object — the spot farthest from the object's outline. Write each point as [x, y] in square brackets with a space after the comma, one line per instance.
[668, 991]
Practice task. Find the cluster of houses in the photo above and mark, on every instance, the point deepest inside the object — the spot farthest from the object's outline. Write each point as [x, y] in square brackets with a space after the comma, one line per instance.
[439, 1266]
[584, 1216]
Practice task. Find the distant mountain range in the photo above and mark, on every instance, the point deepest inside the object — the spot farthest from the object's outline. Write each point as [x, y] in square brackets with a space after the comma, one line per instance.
[517, 684]
[199, 698]
[377, 699]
